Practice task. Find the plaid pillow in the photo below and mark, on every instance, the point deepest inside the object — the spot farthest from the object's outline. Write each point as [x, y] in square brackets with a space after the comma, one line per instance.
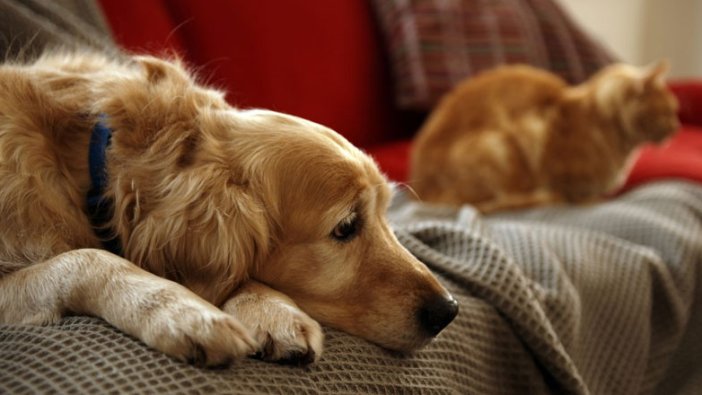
[434, 44]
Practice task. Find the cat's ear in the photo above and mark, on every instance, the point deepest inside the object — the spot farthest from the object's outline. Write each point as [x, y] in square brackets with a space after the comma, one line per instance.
[655, 73]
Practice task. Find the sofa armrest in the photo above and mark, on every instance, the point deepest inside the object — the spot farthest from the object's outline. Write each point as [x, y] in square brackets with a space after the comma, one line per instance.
[689, 93]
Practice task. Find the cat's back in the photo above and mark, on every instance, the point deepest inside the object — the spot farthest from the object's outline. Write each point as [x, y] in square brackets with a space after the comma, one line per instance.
[494, 100]
[508, 88]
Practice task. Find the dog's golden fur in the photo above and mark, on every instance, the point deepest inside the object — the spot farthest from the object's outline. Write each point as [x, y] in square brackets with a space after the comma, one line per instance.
[277, 220]
[518, 136]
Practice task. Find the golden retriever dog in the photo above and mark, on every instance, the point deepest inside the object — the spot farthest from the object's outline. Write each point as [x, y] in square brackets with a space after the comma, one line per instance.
[239, 230]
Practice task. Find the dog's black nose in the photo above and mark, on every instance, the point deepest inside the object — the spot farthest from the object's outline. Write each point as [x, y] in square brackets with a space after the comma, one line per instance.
[437, 313]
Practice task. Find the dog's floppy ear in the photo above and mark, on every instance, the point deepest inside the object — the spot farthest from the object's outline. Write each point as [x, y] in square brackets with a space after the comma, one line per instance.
[154, 69]
[156, 95]
[199, 229]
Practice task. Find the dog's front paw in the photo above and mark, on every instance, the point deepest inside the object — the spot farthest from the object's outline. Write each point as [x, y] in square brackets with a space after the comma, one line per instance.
[198, 333]
[288, 336]
[283, 332]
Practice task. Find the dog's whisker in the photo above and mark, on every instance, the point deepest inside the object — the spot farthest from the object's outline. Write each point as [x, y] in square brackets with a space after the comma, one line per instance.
[408, 187]
[411, 190]
[178, 27]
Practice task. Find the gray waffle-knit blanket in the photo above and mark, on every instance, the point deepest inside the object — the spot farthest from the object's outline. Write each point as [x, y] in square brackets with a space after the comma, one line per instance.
[601, 299]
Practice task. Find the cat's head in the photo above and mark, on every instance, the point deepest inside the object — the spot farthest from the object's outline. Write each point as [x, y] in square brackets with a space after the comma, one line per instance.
[636, 99]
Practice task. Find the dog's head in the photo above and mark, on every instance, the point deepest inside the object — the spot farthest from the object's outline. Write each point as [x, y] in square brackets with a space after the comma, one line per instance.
[334, 252]
[213, 194]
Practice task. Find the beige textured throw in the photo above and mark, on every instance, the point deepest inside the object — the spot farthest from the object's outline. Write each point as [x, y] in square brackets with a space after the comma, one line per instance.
[601, 299]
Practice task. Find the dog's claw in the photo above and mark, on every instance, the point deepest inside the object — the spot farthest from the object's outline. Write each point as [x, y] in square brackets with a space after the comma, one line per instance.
[198, 355]
[300, 358]
[294, 358]
[300, 350]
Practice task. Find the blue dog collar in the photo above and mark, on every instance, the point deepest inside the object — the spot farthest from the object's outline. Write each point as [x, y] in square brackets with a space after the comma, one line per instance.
[99, 208]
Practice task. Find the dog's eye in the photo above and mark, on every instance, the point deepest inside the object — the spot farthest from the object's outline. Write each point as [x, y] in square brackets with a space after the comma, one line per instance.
[346, 229]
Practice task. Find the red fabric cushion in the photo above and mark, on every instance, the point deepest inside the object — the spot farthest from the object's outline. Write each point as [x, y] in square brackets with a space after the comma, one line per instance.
[142, 26]
[318, 59]
[393, 159]
[681, 157]
[689, 93]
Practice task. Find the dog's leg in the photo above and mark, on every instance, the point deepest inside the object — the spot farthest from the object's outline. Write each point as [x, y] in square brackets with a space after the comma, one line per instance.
[163, 314]
[283, 331]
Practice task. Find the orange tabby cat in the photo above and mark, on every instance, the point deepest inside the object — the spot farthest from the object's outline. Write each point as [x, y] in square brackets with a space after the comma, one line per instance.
[518, 136]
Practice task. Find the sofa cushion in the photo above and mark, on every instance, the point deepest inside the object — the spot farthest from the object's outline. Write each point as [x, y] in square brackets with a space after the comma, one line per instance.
[393, 158]
[681, 157]
[317, 59]
[434, 44]
[689, 94]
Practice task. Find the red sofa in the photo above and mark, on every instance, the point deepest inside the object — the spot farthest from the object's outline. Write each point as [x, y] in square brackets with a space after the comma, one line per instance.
[324, 61]
[599, 299]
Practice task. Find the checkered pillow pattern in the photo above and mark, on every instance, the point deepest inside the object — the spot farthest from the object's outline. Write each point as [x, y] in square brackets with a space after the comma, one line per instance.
[433, 44]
